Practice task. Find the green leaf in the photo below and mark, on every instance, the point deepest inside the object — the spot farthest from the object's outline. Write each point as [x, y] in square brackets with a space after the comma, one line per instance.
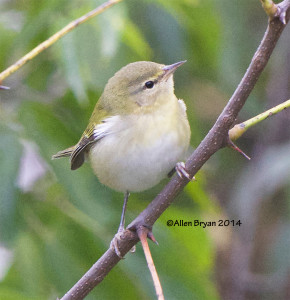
[196, 191]
[112, 24]
[133, 37]
[72, 67]
[11, 294]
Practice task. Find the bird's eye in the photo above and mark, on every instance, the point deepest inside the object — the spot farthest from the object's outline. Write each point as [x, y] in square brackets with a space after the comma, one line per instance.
[149, 84]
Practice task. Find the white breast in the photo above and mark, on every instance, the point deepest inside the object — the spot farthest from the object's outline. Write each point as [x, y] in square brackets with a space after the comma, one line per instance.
[138, 151]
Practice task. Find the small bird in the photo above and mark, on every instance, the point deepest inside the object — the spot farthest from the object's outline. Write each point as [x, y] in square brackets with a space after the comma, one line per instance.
[138, 131]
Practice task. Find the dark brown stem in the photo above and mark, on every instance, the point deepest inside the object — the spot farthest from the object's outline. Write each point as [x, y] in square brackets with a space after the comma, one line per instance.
[216, 139]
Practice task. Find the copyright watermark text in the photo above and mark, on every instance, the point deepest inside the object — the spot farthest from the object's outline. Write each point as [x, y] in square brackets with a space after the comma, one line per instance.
[203, 224]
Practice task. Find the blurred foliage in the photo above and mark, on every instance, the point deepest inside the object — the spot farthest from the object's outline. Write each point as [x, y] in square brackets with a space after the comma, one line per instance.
[56, 223]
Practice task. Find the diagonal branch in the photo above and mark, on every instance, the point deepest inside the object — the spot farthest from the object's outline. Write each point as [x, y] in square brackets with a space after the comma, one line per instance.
[216, 139]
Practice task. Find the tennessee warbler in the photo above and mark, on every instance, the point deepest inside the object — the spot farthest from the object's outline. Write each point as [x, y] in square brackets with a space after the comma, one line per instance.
[138, 130]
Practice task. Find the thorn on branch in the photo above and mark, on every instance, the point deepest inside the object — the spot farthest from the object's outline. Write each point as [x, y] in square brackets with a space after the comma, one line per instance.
[236, 148]
[142, 224]
[152, 237]
[281, 14]
[103, 266]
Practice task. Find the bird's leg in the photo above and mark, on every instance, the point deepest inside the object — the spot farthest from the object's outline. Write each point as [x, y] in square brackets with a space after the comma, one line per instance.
[171, 173]
[122, 222]
[121, 229]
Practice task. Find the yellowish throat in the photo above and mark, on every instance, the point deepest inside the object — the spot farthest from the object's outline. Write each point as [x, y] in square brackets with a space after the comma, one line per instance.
[138, 130]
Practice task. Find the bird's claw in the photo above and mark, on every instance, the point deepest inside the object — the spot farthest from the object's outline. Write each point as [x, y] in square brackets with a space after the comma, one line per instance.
[181, 171]
[115, 241]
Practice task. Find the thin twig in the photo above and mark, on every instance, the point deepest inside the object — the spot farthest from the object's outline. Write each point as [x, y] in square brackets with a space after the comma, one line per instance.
[215, 140]
[44, 45]
[3, 87]
[142, 234]
[238, 130]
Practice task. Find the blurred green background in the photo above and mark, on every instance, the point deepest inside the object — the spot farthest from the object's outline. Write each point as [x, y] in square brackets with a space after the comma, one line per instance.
[55, 223]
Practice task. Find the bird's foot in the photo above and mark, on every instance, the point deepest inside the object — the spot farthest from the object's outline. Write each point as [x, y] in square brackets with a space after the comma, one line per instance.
[182, 172]
[114, 243]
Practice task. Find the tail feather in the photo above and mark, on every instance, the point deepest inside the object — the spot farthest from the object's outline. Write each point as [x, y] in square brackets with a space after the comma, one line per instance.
[64, 153]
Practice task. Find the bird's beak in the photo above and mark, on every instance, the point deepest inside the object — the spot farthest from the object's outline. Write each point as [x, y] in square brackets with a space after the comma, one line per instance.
[170, 69]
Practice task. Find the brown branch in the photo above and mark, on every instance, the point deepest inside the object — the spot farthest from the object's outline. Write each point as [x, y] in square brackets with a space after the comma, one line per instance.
[216, 139]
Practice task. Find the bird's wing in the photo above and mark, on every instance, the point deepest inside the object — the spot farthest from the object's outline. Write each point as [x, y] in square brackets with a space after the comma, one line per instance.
[93, 133]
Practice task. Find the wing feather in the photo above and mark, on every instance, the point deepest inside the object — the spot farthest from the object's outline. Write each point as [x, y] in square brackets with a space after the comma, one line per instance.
[93, 134]
[98, 128]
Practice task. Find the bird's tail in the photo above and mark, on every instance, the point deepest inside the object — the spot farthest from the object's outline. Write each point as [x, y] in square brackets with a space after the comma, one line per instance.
[64, 153]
